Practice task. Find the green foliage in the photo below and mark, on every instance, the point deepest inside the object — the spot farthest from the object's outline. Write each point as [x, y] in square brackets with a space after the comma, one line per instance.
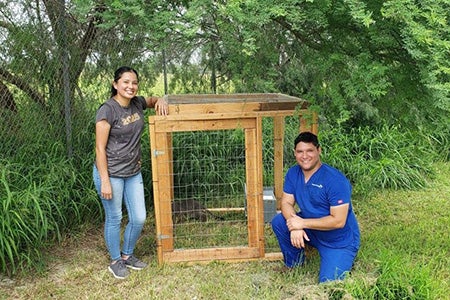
[410, 222]
[425, 30]
[389, 157]
[347, 57]
[398, 278]
[364, 59]
[440, 138]
[42, 198]
[359, 12]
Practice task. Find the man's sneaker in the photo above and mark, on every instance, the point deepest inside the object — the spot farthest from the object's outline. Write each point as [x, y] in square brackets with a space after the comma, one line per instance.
[118, 269]
[134, 263]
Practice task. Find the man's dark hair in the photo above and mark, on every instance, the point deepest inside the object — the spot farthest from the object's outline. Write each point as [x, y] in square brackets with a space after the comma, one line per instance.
[307, 137]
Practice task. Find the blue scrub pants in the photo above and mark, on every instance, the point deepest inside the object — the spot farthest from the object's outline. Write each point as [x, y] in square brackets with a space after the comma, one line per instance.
[335, 263]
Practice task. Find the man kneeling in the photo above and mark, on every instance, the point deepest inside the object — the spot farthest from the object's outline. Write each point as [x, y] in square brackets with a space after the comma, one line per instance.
[326, 220]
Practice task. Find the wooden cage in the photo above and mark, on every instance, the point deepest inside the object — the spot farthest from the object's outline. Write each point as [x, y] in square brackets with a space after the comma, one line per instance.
[222, 112]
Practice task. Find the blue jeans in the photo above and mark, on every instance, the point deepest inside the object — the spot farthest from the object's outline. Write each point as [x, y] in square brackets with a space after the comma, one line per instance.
[335, 263]
[131, 191]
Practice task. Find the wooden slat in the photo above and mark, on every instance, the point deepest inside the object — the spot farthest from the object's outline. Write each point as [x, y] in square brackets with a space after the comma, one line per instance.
[275, 106]
[177, 257]
[273, 256]
[168, 125]
[214, 108]
[278, 144]
[229, 98]
[315, 123]
[212, 254]
[254, 182]
[225, 209]
[156, 198]
[227, 115]
[260, 188]
[161, 158]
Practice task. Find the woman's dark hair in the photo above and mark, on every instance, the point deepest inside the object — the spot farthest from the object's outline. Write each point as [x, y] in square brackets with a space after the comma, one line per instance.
[118, 74]
[307, 137]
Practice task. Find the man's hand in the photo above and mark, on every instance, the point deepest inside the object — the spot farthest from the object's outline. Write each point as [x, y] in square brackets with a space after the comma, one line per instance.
[298, 238]
[295, 223]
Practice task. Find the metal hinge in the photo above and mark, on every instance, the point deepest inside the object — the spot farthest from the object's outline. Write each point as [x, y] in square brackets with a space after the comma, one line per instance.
[157, 152]
[163, 236]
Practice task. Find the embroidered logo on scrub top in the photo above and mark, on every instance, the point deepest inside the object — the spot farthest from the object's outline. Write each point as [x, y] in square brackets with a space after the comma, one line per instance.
[317, 185]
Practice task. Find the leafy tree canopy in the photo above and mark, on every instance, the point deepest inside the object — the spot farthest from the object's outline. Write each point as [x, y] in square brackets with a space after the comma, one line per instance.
[360, 62]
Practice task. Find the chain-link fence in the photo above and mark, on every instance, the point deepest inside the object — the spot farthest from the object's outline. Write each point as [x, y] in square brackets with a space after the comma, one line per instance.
[56, 68]
[52, 76]
[57, 62]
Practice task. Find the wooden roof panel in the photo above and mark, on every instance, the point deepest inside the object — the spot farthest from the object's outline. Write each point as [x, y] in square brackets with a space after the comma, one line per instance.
[233, 103]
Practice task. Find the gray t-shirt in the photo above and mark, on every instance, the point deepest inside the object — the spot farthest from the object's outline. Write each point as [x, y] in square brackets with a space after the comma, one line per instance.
[123, 150]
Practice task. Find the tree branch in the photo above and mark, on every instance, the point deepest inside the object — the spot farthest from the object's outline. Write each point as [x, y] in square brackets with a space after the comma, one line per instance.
[23, 85]
[87, 40]
[298, 35]
[7, 99]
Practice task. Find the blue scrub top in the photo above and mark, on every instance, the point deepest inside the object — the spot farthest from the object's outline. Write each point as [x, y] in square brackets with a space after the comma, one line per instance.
[327, 187]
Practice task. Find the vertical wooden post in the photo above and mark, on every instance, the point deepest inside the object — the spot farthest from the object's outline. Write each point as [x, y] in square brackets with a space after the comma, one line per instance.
[252, 182]
[255, 211]
[161, 151]
[308, 121]
[278, 145]
[155, 180]
[259, 188]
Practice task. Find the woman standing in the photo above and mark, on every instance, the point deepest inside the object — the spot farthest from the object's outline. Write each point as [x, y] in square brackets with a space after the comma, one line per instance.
[117, 169]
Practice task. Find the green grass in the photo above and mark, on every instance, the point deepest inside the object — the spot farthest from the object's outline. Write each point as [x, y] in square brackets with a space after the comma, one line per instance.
[404, 255]
[39, 203]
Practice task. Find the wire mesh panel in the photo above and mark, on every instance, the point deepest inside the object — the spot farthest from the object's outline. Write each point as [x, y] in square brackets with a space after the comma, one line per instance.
[208, 209]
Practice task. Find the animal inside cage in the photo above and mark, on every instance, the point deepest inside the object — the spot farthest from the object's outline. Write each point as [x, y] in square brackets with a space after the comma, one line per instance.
[207, 157]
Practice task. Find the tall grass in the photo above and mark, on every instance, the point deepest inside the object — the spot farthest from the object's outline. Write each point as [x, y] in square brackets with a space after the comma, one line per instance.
[39, 204]
[44, 194]
[388, 157]
[440, 138]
